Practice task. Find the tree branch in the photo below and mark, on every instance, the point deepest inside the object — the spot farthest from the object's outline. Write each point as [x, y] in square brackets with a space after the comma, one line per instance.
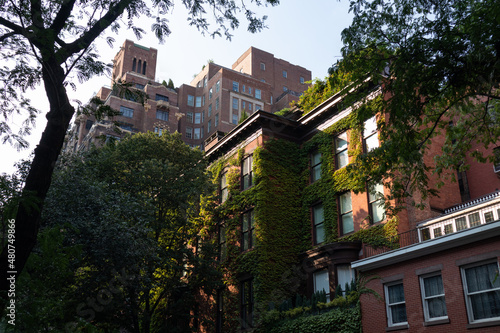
[62, 16]
[7, 35]
[14, 27]
[88, 37]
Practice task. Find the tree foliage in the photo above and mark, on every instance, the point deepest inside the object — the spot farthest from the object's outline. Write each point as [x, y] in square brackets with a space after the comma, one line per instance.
[118, 240]
[51, 42]
[439, 67]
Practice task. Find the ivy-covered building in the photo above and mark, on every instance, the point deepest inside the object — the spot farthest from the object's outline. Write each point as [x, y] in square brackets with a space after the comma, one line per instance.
[290, 220]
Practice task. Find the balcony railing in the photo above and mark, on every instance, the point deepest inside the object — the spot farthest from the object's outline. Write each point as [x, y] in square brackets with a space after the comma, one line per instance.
[461, 217]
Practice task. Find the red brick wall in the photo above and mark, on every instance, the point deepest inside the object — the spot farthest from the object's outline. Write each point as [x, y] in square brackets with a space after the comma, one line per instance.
[374, 317]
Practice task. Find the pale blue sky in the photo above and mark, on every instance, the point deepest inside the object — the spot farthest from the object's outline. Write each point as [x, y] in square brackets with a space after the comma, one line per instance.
[305, 33]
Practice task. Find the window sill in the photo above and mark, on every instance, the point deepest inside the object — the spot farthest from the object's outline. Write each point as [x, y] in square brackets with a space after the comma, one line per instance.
[397, 328]
[484, 324]
[437, 322]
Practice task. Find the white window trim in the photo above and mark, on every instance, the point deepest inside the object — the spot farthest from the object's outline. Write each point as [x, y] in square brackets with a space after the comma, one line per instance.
[424, 298]
[390, 322]
[468, 304]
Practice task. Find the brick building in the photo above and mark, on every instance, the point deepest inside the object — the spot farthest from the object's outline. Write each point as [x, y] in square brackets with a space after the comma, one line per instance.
[211, 104]
[286, 201]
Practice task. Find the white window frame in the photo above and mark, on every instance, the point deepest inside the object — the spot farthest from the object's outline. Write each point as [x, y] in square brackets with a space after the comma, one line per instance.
[390, 321]
[190, 100]
[468, 294]
[427, 299]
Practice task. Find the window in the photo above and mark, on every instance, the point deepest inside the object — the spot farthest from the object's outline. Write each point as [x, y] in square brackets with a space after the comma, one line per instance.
[346, 213]
[209, 125]
[482, 291]
[210, 92]
[247, 173]
[302, 80]
[158, 130]
[322, 283]
[243, 105]
[285, 88]
[126, 112]
[216, 120]
[250, 107]
[236, 86]
[315, 166]
[425, 234]
[217, 103]
[341, 156]
[285, 74]
[189, 117]
[139, 86]
[88, 124]
[448, 229]
[437, 232]
[258, 94]
[318, 224]
[461, 223]
[217, 86]
[246, 294]
[134, 64]
[235, 103]
[198, 101]
[224, 192]
[139, 66]
[376, 202]
[222, 242]
[250, 90]
[262, 66]
[248, 230]
[159, 97]
[197, 118]
[235, 119]
[258, 107]
[345, 276]
[198, 133]
[431, 287]
[144, 68]
[190, 100]
[209, 111]
[474, 220]
[203, 100]
[189, 132]
[162, 115]
[395, 304]
[243, 88]
[205, 80]
[370, 135]
[488, 217]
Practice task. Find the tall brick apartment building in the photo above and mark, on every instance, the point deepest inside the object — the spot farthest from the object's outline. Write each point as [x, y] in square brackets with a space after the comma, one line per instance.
[211, 105]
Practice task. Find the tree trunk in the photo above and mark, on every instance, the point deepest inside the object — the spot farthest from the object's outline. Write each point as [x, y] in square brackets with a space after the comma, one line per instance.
[40, 174]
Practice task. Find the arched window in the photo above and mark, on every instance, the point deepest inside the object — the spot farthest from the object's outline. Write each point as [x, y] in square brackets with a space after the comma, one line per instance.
[134, 62]
[139, 65]
[144, 68]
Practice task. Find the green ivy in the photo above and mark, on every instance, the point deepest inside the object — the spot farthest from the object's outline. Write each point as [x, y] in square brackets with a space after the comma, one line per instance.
[282, 198]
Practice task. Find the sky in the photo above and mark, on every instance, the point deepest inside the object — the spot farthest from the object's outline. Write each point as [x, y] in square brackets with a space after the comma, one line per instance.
[305, 33]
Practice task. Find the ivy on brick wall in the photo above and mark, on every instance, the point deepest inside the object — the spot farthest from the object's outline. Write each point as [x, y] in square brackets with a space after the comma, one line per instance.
[282, 198]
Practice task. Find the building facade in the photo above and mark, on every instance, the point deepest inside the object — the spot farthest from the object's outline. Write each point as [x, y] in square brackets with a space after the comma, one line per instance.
[213, 103]
[290, 221]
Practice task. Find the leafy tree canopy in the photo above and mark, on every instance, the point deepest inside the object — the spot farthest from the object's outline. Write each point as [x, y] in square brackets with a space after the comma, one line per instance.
[113, 250]
[52, 42]
[438, 63]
